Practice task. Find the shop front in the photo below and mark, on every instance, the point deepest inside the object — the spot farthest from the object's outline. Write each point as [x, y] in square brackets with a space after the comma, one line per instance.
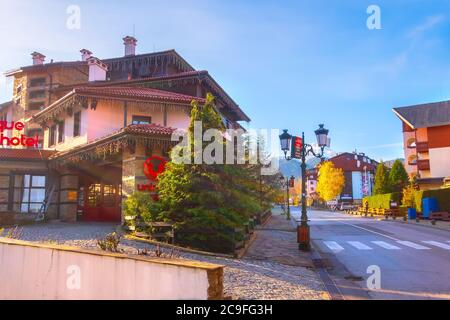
[85, 184]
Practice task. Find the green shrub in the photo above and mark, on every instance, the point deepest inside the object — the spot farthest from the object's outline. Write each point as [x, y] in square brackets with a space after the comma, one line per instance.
[442, 196]
[382, 201]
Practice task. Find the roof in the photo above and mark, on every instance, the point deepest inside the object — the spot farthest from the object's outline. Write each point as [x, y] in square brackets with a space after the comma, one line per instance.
[202, 75]
[154, 129]
[5, 105]
[45, 66]
[123, 93]
[347, 162]
[425, 115]
[109, 61]
[25, 154]
[135, 93]
[146, 130]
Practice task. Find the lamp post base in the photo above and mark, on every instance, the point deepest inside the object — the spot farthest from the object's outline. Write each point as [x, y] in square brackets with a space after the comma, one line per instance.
[303, 238]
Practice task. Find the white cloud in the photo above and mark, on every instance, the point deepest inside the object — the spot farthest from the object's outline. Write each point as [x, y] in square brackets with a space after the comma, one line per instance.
[429, 23]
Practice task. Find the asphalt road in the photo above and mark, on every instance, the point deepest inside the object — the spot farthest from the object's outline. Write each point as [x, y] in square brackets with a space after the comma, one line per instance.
[413, 261]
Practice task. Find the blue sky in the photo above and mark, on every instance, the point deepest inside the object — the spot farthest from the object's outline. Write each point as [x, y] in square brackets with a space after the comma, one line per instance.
[289, 64]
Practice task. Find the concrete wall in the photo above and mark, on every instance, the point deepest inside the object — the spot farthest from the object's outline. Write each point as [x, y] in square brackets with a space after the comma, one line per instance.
[36, 271]
[440, 162]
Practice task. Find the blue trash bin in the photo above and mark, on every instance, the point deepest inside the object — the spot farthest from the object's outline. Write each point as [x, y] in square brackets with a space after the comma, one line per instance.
[411, 213]
[429, 205]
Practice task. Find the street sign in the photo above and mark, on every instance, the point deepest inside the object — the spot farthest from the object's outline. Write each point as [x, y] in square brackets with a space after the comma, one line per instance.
[296, 147]
[292, 182]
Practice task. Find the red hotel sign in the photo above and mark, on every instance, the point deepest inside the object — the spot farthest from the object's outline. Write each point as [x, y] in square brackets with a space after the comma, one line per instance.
[23, 140]
[296, 147]
[153, 167]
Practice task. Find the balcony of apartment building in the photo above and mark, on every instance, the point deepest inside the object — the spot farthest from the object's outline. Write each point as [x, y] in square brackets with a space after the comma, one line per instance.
[422, 147]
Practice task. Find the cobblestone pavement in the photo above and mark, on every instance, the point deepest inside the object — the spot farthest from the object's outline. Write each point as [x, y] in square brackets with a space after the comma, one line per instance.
[278, 275]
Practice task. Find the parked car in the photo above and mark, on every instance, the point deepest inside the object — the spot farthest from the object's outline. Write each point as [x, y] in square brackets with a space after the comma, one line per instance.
[345, 206]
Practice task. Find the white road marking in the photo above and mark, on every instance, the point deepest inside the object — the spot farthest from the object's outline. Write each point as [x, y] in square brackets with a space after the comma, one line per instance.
[334, 246]
[386, 245]
[371, 231]
[413, 245]
[438, 244]
[358, 245]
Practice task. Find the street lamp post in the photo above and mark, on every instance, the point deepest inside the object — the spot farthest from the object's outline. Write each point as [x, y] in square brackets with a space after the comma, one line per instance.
[289, 184]
[306, 149]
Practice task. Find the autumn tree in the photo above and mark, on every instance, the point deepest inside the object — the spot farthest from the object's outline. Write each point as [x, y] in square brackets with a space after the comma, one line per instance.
[398, 177]
[381, 180]
[331, 181]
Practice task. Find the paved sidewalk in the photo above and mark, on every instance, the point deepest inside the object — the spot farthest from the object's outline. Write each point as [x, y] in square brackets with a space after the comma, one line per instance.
[277, 241]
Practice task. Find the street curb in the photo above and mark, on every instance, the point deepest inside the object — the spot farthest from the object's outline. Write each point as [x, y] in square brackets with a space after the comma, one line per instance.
[330, 286]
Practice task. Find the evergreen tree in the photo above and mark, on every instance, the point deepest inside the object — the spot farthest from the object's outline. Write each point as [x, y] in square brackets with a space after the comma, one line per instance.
[398, 177]
[381, 180]
[207, 202]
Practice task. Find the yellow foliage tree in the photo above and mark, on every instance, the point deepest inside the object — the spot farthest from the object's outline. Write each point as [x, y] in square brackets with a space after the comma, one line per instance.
[330, 182]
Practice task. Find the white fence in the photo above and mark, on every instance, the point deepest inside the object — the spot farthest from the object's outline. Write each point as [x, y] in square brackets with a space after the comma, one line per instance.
[38, 271]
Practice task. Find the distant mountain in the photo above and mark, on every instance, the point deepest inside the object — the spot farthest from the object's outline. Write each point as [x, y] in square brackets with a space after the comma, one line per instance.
[293, 167]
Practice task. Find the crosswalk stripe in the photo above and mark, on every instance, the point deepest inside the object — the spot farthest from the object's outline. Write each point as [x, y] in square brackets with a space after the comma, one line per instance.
[358, 245]
[413, 245]
[438, 244]
[334, 246]
[385, 245]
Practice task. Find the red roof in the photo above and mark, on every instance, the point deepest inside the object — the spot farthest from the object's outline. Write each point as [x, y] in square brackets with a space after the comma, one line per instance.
[148, 129]
[24, 154]
[135, 93]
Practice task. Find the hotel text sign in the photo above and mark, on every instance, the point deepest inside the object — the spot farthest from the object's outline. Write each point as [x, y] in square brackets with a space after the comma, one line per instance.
[153, 167]
[23, 140]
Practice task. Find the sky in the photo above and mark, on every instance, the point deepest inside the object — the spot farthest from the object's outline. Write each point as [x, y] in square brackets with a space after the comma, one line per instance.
[288, 64]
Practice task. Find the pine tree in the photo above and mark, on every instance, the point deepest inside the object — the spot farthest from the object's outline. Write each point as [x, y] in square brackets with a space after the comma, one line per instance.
[381, 180]
[398, 177]
[207, 202]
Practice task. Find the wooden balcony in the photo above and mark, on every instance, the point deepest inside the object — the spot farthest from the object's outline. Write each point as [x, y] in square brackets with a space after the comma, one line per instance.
[423, 164]
[422, 146]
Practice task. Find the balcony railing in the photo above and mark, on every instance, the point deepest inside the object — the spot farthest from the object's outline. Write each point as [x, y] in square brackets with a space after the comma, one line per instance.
[422, 146]
[423, 164]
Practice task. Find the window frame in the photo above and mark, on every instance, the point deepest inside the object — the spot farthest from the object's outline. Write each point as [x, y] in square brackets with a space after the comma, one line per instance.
[61, 131]
[21, 189]
[77, 124]
[52, 135]
[134, 117]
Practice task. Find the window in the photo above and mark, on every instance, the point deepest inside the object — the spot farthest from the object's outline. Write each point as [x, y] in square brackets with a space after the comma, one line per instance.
[94, 194]
[109, 195]
[19, 89]
[76, 124]
[29, 192]
[141, 120]
[52, 136]
[38, 94]
[35, 106]
[61, 132]
[37, 82]
[36, 132]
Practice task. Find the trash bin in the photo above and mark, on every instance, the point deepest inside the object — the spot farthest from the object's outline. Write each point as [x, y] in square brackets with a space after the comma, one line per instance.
[411, 213]
[429, 205]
